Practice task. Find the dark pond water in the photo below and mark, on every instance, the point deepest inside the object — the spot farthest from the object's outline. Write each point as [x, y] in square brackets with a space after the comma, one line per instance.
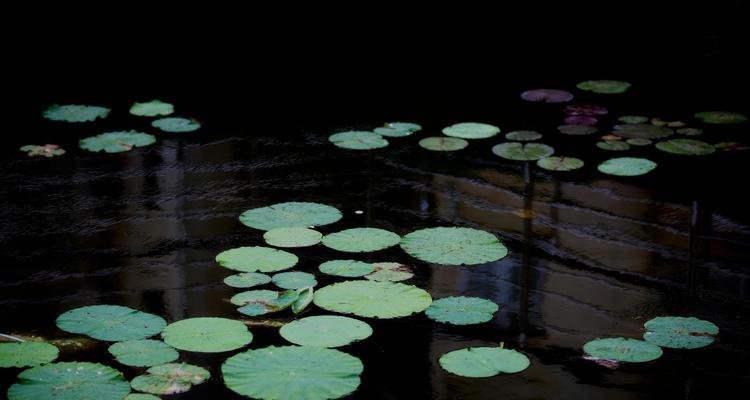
[599, 256]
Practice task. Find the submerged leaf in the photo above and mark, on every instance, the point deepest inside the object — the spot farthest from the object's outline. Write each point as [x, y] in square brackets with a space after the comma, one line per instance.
[690, 131]
[325, 331]
[75, 113]
[70, 381]
[292, 237]
[471, 130]
[483, 362]
[256, 258]
[111, 323]
[443, 143]
[26, 354]
[584, 110]
[721, 117]
[644, 131]
[357, 240]
[547, 95]
[170, 379]
[48, 150]
[680, 332]
[523, 136]
[152, 108]
[290, 214]
[613, 145]
[522, 151]
[687, 147]
[580, 120]
[626, 166]
[117, 142]
[453, 246]
[390, 272]
[560, 163]
[462, 310]
[623, 349]
[633, 119]
[143, 353]
[731, 146]
[207, 335]
[576, 130]
[638, 142]
[358, 140]
[604, 86]
[372, 299]
[346, 268]
[176, 125]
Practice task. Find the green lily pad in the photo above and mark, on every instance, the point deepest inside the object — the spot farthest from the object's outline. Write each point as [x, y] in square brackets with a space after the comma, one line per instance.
[26, 354]
[207, 335]
[151, 108]
[688, 147]
[523, 136]
[623, 349]
[680, 332]
[292, 372]
[626, 166]
[325, 331]
[522, 151]
[304, 298]
[613, 145]
[256, 258]
[260, 302]
[436, 143]
[170, 379]
[644, 131]
[292, 237]
[358, 140]
[372, 299]
[358, 240]
[483, 362]
[141, 396]
[471, 130]
[721, 117]
[143, 353]
[48, 150]
[111, 323]
[633, 119]
[577, 130]
[404, 126]
[690, 131]
[390, 272]
[346, 268]
[289, 215]
[638, 142]
[247, 280]
[176, 125]
[453, 246]
[604, 86]
[294, 280]
[70, 381]
[75, 113]
[462, 310]
[117, 142]
[397, 129]
[560, 163]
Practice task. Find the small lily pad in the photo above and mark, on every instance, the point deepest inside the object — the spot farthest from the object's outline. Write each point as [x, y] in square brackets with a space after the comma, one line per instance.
[547, 95]
[358, 140]
[623, 350]
[645, 131]
[325, 331]
[406, 126]
[680, 332]
[522, 151]
[358, 240]
[443, 143]
[143, 353]
[70, 381]
[626, 166]
[247, 280]
[604, 86]
[731, 146]
[688, 147]
[461, 310]
[580, 120]
[613, 145]
[75, 113]
[721, 117]
[576, 130]
[372, 299]
[292, 237]
[523, 136]
[633, 119]
[260, 302]
[289, 215]
[346, 268]
[151, 108]
[453, 246]
[471, 130]
[690, 131]
[256, 259]
[207, 335]
[294, 280]
[587, 110]
[117, 142]
[111, 323]
[170, 379]
[483, 362]
[398, 129]
[176, 125]
[638, 142]
[47, 150]
[560, 163]
[26, 354]
[390, 272]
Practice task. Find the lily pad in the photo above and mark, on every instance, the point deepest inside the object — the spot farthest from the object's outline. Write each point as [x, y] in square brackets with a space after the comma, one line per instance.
[397, 129]
[613, 145]
[560, 163]
[645, 131]
[576, 130]
[443, 143]
[358, 240]
[680, 332]
[207, 335]
[462, 310]
[170, 379]
[75, 113]
[523, 136]
[721, 117]
[372, 299]
[256, 259]
[471, 130]
[626, 166]
[731, 146]
[522, 151]
[406, 126]
[633, 119]
[547, 95]
[70, 381]
[358, 140]
[604, 86]
[346, 268]
[151, 108]
[48, 150]
[292, 372]
[292, 237]
[304, 298]
[143, 353]
[294, 280]
[584, 110]
[688, 147]
[141, 396]
[117, 142]
[325, 331]
[247, 280]
[580, 120]
[26, 354]
[453, 246]
[638, 142]
[390, 272]
[483, 362]
[261, 302]
[176, 125]
[111, 323]
[623, 350]
[690, 131]
[289, 215]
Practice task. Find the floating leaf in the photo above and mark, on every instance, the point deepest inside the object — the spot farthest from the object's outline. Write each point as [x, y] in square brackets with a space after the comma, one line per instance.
[623, 349]
[612, 145]
[483, 362]
[75, 113]
[690, 131]
[560, 163]
[522, 151]
[731, 146]
[638, 142]
[443, 143]
[117, 142]
[372, 299]
[687, 147]
[140, 396]
[325, 331]
[584, 110]
[152, 108]
[247, 280]
[461, 310]
[580, 120]
[645, 131]
[70, 381]
[453, 246]
[547, 95]
[294, 280]
[143, 353]
[170, 379]
[523, 136]
[471, 130]
[261, 302]
[289, 215]
[611, 137]
[357, 240]
[577, 130]
[680, 332]
[304, 298]
[346, 268]
[292, 372]
[390, 272]
[358, 140]
[633, 119]
[207, 334]
[256, 258]
[604, 86]
[626, 166]
[26, 354]
[111, 323]
[48, 150]
[398, 129]
[292, 237]
[721, 117]
[176, 125]
[406, 126]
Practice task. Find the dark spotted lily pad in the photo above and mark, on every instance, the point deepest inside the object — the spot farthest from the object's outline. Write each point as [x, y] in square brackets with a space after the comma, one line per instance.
[483, 362]
[117, 142]
[626, 166]
[290, 214]
[346, 268]
[390, 272]
[325, 331]
[247, 280]
[638, 142]
[151, 108]
[357, 240]
[70, 381]
[547, 95]
[26, 354]
[256, 259]
[633, 119]
[372, 299]
[688, 147]
[622, 350]
[680, 332]
[176, 125]
[47, 150]
[292, 237]
[471, 130]
[207, 335]
[294, 280]
[143, 353]
[453, 246]
[721, 117]
[358, 140]
[292, 372]
[170, 379]
[604, 86]
[560, 163]
[523, 136]
[576, 130]
[522, 151]
[580, 120]
[613, 145]
[111, 323]
[462, 310]
[731, 146]
[644, 131]
[443, 143]
[398, 129]
[584, 110]
[690, 131]
[75, 113]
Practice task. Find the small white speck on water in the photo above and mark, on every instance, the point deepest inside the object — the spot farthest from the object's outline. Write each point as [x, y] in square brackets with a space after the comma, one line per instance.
[358, 212]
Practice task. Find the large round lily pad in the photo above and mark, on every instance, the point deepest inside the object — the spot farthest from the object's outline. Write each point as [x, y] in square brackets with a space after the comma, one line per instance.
[143, 353]
[70, 381]
[75, 113]
[626, 166]
[207, 334]
[170, 378]
[613, 145]
[290, 214]
[358, 140]
[260, 302]
[346, 268]
[440, 143]
[644, 131]
[247, 280]
[623, 349]
[256, 258]
[560, 163]
[390, 272]
[26, 354]
[48, 150]
[453, 246]
[688, 147]
[358, 240]
[292, 372]
[680, 332]
[117, 142]
[471, 130]
[292, 237]
[372, 299]
[151, 108]
[483, 362]
[325, 331]
[547, 95]
[604, 86]
[721, 117]
[294, 280]
[522, 151]
[576, 130]
[111, 323]
[176, 124]
[523, 136]
[462, 310]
